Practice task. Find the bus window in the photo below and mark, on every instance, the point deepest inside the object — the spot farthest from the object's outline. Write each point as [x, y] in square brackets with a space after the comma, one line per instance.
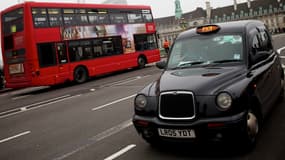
[40, 17]
[118, 48]
[98, 16]
[55, 18]
[145, 42]
[97, 48]
[86, 49]
[13, 22]
[112, 46]
[46, 53]
[103, 19]
[108, 47]
[69, 17]
[118, 18]
[81, 16]
[135, 18]
[61, 53]
[147, 16]
[73, 51]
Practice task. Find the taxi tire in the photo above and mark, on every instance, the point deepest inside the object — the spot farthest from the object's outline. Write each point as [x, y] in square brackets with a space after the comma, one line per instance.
[253, 123]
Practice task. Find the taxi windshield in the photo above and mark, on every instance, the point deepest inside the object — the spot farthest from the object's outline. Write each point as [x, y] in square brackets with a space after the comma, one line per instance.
[206, 50]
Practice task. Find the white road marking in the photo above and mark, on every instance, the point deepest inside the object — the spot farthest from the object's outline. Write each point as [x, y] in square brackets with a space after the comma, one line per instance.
[116, 101]
[97, 138]
[16, 136]
[34, 106]
[92, 90]
[280, 49]
[21, 97]
[124, 81]
[112, 131]
[121, 152]
[137, 78]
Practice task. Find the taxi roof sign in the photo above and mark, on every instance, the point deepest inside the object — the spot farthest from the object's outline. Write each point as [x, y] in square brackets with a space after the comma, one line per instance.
[207, 29]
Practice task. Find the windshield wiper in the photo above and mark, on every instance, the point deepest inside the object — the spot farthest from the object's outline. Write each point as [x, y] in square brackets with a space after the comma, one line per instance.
[187, 64]
[226, 61]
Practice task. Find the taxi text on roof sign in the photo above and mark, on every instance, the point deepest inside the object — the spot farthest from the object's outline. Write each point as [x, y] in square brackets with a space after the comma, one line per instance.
[208, 29]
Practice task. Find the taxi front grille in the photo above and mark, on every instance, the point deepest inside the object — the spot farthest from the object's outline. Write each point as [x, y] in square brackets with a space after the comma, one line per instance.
[177, 105]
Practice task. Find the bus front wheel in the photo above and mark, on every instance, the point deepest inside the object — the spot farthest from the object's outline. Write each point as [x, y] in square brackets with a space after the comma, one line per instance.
[141, 62]
[80, 75]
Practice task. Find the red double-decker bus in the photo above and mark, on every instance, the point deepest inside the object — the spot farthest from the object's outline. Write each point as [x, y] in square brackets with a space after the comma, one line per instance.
[51, 43]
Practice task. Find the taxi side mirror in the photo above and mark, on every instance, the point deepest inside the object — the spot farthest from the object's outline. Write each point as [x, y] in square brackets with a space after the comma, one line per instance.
[161, 64]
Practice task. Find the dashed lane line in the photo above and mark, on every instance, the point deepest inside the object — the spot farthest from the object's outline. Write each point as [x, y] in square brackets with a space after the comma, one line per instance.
[35, 106]
[14, 137]
[121, 152]
[114, 102]
[97, 138]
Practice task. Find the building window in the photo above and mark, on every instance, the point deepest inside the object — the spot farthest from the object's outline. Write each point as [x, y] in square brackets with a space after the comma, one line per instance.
[275, 10]
[260, 11]
[241, 13]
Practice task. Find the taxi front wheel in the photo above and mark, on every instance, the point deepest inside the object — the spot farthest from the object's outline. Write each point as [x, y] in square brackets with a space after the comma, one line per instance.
[252, 130]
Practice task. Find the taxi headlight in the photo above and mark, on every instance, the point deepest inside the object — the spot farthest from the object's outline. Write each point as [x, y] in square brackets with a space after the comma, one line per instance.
[140, 101]
[224, 101]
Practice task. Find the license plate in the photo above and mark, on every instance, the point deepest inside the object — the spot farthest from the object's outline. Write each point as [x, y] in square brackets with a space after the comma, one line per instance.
[176, 133]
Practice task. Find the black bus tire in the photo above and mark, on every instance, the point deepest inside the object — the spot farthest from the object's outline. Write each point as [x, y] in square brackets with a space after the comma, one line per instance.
[141, 62]
[80, 75]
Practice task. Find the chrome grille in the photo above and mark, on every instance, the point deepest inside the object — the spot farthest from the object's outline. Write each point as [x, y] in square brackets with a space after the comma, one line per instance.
[176, 105]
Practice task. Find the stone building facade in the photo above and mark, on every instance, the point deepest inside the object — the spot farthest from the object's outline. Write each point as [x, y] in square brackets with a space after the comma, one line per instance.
[271, 12]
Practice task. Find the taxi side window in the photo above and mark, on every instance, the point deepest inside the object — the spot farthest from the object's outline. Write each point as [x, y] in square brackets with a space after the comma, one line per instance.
[256, 44]
[261, 47]
[265, 41]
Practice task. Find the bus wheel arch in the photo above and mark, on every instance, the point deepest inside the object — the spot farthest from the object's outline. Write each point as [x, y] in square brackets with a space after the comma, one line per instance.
[142, 61]
[80, 74]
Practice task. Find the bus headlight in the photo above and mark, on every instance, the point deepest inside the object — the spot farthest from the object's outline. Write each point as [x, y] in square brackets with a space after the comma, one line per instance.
[224, 101]
[140, 101]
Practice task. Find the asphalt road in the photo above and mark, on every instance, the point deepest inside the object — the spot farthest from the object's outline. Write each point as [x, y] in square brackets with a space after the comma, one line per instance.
[92, 121]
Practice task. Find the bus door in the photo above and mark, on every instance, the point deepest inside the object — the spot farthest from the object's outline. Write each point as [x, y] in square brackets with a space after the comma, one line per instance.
[63, 65]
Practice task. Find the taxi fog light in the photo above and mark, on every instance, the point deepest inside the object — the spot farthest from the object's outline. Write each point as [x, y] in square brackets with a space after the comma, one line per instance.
[224, 101]
[140, 101]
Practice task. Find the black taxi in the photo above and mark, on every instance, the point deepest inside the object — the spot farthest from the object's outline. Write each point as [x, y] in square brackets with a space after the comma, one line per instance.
[219, 82]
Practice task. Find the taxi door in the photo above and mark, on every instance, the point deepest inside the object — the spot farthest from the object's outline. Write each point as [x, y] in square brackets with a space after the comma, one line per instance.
[63, 64]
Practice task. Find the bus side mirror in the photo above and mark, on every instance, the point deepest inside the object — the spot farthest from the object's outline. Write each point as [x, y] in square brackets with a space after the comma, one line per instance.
[161, 64]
